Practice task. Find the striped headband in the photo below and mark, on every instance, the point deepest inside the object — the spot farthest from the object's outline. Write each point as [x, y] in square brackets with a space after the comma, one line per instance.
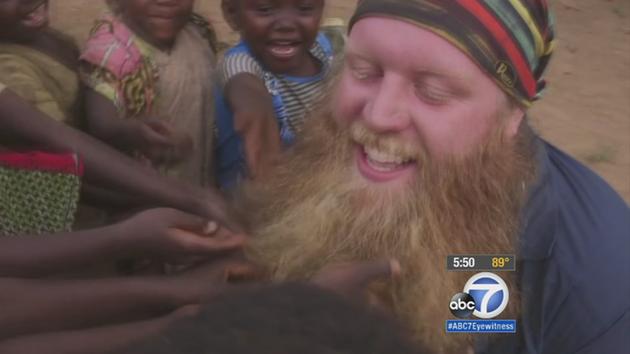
[511, 40]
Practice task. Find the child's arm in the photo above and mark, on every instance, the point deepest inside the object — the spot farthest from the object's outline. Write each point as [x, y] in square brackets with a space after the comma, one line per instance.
[104, 122]
[160, 233]
[156, 139]
[104, 166]
[254, 120]
[101, 340]
[40, 306]
[23, 79]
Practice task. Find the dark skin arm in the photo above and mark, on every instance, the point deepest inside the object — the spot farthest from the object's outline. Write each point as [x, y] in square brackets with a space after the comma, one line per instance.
[106, 199]
[104, 166]
[40, 306]
[347, 279]
[363, 281]
[104, 123]
[164, 234]
[255, 121]
[155, 139]
[110, 339]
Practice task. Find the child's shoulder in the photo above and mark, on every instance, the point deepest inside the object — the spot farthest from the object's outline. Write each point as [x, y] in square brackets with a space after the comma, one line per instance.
[239, 59]
[18, 62]
[335, 31]
[239, 49]
[206, 29]
[323, 48]
[17, 65]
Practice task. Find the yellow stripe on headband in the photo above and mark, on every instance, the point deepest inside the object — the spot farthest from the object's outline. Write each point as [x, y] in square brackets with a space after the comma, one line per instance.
[550, 47]
[538, 41]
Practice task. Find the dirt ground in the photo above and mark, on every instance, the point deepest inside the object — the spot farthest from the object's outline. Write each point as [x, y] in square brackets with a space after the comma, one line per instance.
[586, 110]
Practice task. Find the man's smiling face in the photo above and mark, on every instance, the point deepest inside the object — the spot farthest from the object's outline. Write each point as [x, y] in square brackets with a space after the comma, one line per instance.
[406, 93]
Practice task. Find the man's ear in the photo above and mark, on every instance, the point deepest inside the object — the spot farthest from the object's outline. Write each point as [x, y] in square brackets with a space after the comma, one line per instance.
[230, 13]
[514, 118]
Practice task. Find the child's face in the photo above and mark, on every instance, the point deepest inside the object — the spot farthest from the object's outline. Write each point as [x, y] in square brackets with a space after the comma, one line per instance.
[21, 20]
[157, 21]
[279, 32]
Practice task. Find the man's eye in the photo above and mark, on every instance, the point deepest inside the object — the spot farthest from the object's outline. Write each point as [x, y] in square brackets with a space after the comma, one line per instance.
[433, 95]
[363, 74]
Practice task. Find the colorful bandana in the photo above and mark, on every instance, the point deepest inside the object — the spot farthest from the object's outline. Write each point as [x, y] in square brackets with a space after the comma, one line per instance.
[511, 40]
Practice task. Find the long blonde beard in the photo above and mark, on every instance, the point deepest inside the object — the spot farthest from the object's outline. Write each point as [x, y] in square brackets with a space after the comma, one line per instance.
[315, 210]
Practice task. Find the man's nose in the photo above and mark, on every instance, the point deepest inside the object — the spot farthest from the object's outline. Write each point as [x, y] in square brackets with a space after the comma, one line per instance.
[387, 110]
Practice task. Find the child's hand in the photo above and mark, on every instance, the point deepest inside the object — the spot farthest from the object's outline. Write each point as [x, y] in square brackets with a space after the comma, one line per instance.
[199, 284]
[162, 144]
[353, 279]
[169, 234]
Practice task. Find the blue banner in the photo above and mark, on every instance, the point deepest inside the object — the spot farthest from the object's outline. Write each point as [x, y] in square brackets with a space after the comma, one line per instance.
[481, 326]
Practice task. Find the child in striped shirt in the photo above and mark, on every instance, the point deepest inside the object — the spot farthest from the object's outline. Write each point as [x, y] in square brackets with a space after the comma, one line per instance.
[268, 82]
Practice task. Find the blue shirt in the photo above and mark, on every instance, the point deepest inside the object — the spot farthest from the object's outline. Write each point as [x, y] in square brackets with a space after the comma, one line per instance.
[574, 267]
[292, 98]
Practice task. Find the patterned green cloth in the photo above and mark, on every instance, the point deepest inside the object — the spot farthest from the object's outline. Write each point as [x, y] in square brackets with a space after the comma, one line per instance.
[36, 201]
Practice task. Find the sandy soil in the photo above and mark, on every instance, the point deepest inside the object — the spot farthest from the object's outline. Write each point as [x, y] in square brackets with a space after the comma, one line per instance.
[586, 110]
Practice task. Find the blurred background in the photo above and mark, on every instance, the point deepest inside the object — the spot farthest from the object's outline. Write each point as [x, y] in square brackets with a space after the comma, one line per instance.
[586, 108]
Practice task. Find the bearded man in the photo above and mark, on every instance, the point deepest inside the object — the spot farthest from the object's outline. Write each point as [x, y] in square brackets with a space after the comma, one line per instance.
[424, 151]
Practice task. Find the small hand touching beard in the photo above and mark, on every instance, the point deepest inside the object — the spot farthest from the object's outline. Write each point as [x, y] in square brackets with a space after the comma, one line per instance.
[315, 209]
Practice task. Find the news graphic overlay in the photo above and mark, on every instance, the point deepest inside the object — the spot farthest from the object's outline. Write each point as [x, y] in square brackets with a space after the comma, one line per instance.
[481, 263]
[490, 292]
[462, 305]
[484, 296]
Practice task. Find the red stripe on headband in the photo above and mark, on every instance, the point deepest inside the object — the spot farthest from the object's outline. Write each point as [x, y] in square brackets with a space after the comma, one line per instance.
[499, 33]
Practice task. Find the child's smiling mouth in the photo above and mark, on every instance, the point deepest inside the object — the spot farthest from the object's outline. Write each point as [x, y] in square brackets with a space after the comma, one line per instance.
[283, 49]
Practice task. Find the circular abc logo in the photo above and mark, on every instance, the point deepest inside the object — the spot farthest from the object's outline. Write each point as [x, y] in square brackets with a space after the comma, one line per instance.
[462, 305]
[490, 293]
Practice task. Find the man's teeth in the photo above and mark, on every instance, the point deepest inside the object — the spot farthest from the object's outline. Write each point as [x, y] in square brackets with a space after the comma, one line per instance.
[382, 158]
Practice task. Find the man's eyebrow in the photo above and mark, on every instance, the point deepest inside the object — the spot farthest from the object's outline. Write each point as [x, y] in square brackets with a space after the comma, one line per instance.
[442, 75]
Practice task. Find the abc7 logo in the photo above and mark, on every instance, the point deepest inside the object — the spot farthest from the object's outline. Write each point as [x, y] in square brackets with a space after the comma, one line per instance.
[485, 295]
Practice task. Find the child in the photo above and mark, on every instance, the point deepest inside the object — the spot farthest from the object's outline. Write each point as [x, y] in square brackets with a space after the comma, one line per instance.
[38, 63]
[104, 167]
[268, 82]
[149, 68]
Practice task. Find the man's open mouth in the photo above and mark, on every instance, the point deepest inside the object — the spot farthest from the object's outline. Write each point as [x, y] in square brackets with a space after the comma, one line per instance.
[377, 165]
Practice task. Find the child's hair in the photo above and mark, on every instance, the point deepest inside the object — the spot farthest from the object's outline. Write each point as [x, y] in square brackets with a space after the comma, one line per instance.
[282, 319]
